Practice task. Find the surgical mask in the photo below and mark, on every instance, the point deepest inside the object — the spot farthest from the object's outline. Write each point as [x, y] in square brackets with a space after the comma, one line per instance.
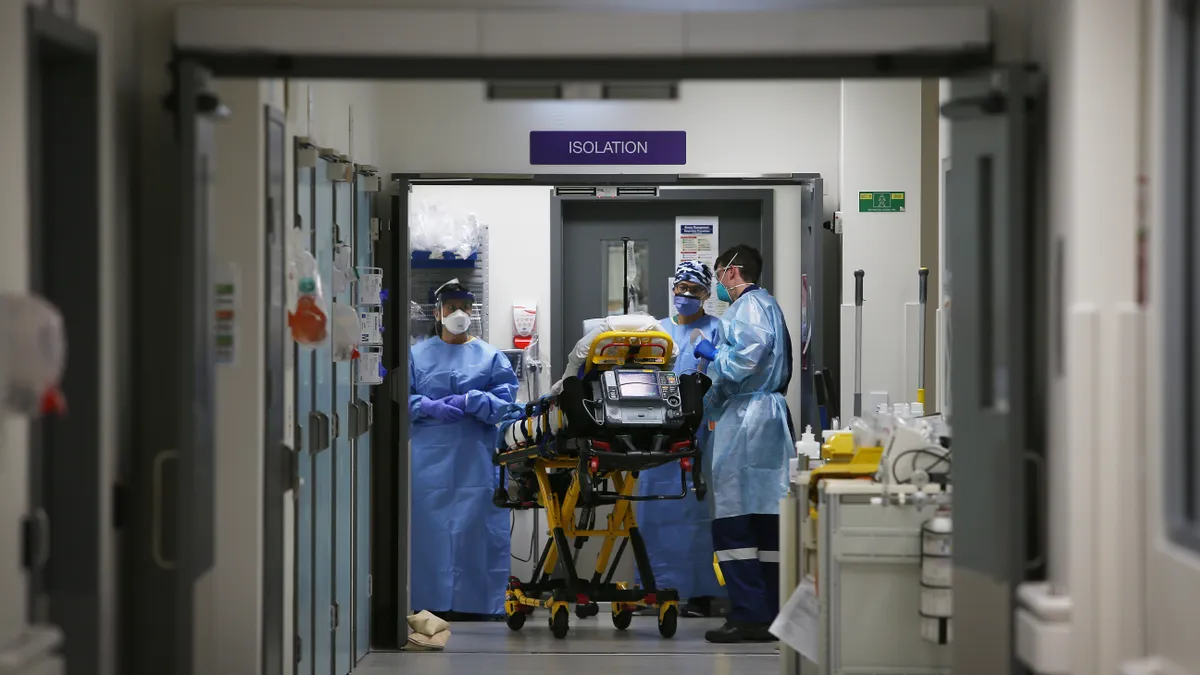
[687, 305]
[722, 290]
[458, 322]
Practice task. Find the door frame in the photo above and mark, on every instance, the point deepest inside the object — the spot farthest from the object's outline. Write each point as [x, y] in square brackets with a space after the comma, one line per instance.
[60, 550]
[290, 59]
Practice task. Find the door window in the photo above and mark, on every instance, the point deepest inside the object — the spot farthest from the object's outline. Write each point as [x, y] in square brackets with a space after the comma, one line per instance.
[1181, 290]
[626, 261]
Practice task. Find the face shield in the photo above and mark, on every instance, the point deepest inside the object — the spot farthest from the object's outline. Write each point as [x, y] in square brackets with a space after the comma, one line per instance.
[454, 305]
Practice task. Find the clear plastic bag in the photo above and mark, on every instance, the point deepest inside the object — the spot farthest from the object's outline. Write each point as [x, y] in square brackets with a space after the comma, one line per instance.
[343, 268]
[306, 317]
[437, 230]
[33, 355]
[346, 332]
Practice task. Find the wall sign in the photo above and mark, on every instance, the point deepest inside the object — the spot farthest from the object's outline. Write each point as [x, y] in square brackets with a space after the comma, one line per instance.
[607, 148]
[881, 202]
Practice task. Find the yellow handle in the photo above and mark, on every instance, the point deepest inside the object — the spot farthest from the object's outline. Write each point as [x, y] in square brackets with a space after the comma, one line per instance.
[921, 396]
[717, 569]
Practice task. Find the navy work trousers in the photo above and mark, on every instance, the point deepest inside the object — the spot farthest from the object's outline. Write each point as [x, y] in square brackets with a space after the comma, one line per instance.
[748, 552]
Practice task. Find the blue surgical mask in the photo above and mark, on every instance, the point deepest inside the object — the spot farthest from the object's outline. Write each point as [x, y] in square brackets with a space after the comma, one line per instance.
[687, 305]
[723, 293]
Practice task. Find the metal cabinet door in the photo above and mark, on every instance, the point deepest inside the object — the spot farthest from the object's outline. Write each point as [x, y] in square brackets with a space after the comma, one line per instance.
[308, 431]
[363, 250]
[343, 460]
[324, 610]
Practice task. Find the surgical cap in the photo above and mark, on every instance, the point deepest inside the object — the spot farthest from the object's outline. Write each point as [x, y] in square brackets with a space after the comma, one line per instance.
[695, 272]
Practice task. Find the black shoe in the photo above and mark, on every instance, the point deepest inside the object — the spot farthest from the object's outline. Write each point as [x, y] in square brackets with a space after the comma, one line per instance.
[733, 633]
[697, 607]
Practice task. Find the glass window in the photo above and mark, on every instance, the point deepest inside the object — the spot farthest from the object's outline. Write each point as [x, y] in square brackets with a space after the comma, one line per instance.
[1181, 288]
[626, 261]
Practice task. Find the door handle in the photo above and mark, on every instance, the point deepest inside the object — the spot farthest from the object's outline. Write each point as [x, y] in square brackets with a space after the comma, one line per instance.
[43, 555]
[156, 510]
[314, 433]
[352, 416]
[325, 428]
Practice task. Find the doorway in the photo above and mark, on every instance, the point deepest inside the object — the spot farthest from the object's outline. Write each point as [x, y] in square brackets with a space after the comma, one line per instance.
[67, 466]
[585, 225]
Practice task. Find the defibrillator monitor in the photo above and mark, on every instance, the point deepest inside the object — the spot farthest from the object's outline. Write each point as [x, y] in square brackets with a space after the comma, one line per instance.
[641, 398]
[636, 384]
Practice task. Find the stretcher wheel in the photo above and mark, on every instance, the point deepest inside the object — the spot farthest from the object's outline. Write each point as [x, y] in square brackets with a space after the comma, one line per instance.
[587, 611]
[515, 621]
[622, 618]
[560, 622]
[668, 622]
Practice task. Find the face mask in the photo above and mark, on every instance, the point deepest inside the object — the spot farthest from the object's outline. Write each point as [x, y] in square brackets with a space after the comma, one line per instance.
[687, 305]
[722, 291]
[458, 322]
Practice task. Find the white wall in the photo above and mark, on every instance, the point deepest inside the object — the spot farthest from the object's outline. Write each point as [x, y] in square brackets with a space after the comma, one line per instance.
[881, 151]
[747, 127]
[239, 243]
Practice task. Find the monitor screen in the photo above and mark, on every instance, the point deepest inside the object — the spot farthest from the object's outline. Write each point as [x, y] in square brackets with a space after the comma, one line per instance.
[638, 385]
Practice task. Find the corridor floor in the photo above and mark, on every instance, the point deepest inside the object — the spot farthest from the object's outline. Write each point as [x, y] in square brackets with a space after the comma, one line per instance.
[592, 647]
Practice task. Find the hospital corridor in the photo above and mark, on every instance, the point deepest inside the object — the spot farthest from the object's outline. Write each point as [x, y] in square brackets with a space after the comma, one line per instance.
[768, 337]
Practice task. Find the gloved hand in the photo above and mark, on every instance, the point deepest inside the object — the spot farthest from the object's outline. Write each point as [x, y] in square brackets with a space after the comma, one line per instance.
[705, 350]
[441, 411]
[456, 401]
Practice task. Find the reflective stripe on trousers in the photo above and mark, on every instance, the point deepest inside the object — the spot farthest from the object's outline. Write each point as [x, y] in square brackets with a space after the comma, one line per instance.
[748, 551]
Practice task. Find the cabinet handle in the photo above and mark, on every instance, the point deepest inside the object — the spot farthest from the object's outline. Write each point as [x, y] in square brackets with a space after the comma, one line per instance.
[156, 510]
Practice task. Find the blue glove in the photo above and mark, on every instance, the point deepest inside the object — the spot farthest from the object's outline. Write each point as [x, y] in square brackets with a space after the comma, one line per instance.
[441, 411]
[456, 401]
[705, 350]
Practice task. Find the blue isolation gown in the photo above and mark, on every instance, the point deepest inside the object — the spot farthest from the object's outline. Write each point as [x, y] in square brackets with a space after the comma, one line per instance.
[460, 540]
[678, 532]
[752, 441]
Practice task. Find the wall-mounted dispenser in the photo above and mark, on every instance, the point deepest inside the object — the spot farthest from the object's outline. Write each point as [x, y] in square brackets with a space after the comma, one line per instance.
[33, 355]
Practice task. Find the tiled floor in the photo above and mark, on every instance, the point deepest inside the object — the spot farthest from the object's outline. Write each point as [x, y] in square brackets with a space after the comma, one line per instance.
[592, 647]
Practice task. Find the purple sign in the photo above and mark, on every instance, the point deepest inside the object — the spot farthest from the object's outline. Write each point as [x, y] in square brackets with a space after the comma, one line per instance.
[607, 148]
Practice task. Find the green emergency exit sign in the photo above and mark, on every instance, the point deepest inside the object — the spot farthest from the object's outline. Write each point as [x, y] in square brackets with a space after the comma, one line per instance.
[881, 202]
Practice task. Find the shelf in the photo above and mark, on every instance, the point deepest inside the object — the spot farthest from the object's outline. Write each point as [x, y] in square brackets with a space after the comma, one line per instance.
[426, 260]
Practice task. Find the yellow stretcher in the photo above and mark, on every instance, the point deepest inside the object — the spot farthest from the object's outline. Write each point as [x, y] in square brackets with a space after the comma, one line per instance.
[562, 471]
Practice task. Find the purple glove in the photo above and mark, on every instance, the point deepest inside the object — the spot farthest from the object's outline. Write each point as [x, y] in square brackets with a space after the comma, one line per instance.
[441, 411]
[705, 350]
[458, 401]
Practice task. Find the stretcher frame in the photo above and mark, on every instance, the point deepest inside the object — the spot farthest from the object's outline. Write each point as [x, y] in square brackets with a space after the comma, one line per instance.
[588, 460]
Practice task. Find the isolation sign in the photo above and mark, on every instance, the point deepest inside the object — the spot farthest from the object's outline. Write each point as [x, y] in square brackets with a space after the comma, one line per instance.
[607, 148]
[881, 202]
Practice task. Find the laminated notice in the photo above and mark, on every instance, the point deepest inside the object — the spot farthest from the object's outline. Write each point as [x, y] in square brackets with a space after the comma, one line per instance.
[798, 620]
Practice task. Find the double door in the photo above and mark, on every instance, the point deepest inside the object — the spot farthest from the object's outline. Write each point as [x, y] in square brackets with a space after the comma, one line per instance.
[333, 419]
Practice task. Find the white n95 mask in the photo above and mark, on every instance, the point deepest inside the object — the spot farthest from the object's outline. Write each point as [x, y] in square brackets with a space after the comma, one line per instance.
[458, 322]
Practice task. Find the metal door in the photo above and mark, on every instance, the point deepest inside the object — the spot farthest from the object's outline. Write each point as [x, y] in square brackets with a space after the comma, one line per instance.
[343, 459]
[324, 610]
[591, 225]
[364, 243]
[991, 240]
[279, 455]
[65, 454]
[173, 474]
[307, 432]
[1173, 512]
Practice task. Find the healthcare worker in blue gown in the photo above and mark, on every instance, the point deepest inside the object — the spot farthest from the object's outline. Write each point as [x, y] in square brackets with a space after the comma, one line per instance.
[459, 389]
[678, 532]
[750, 364]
